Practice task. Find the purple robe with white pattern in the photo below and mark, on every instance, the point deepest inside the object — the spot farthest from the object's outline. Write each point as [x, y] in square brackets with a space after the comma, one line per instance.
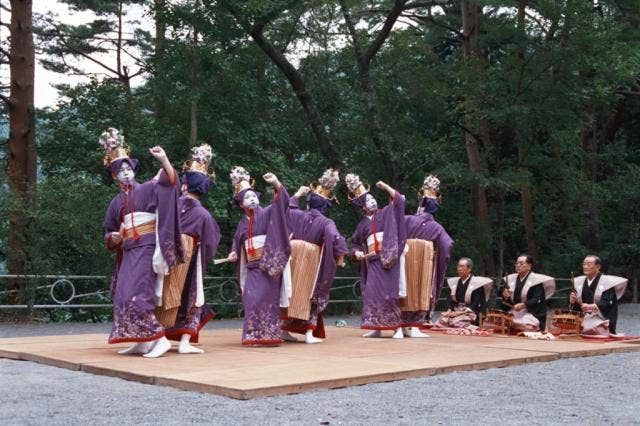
[380, 272]
[133, 282]
[313, 227]
[197, 222]
[261, 294]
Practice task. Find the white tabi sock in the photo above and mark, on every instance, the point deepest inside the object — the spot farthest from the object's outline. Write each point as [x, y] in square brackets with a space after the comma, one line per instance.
[186, 347]
[137, 349]
[286, 336]
[161, 346]
[310, 338]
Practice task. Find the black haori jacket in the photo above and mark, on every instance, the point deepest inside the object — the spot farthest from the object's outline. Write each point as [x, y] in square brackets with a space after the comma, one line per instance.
[605, 291]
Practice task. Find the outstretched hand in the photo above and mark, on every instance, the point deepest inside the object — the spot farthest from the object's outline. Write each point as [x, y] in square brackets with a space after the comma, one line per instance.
[302, 191]
[158, 153]
[383, 186]
[272, 180]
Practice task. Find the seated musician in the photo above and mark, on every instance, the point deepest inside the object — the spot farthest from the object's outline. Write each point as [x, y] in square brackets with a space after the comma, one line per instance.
[597, 296]
[469, 297]
[525, 296]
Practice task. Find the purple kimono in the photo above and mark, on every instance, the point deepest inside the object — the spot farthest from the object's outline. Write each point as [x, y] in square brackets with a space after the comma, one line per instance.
[133, 282]
[423, 226]
[197, 222]
[380, 272]
[312, 226]
[261, 279]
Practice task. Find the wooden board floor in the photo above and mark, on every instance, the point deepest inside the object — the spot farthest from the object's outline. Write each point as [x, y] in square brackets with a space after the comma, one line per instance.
[344, 359]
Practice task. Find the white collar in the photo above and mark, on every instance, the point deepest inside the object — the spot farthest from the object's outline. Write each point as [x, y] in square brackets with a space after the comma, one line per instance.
[526, 277]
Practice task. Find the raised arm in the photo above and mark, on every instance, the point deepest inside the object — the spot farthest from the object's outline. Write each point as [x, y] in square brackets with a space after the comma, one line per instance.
[158, 153]
[389, 190]
[301, 192]
[281, 196]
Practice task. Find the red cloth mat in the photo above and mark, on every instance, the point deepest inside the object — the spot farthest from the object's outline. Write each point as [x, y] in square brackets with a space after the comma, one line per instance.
[459, 331]
[609, 338]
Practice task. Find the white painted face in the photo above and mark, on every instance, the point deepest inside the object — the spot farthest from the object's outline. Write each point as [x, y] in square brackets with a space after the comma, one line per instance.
[126, 173]
[250, 200]
[370, 203]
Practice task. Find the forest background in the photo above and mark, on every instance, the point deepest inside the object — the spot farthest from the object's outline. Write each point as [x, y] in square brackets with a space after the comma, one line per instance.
[527, 110]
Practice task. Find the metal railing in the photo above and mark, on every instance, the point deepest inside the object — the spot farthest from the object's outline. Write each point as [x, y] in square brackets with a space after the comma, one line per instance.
[92, 291]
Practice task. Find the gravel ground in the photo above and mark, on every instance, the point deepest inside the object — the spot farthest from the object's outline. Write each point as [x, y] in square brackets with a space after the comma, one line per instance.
[592, 391]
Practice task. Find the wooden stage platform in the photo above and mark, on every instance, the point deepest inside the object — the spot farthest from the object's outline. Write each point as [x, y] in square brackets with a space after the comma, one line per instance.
[344, 359]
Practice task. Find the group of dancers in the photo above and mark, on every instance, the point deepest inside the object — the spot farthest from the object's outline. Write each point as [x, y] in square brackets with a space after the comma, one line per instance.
[287, 258]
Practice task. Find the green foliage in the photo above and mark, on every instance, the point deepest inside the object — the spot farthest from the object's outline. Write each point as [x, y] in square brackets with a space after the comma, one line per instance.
[536, 89]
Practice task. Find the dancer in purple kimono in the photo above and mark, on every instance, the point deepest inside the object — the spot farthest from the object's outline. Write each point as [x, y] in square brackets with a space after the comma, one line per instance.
[141, 224]
[196, 222]
[314, 227]
[261, 244]
[423, 226]
[378, 243]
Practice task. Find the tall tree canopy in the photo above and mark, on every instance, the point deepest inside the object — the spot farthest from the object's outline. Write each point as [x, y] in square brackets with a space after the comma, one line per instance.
[526, 110]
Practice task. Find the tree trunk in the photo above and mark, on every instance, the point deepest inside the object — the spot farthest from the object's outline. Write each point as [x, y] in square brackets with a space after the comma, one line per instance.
[327, 149]
[591, 236]
[527, 214]
[159, 103]
[614, 122]
[193, 59]
[470, 21]
[376, 132]
[161, 26]
[22, 147]
[119, 41]
[525, 190]
[522, 5]
[363, 61]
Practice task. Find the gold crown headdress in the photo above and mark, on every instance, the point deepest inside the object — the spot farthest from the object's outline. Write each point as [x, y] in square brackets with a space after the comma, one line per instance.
[355, 186]
[430, 187]
[200, 160]
[113, 143]
[240, 179]
[326, 184]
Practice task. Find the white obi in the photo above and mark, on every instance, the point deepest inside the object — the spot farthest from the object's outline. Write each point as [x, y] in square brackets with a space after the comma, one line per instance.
[257, 241]
[137, 218]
